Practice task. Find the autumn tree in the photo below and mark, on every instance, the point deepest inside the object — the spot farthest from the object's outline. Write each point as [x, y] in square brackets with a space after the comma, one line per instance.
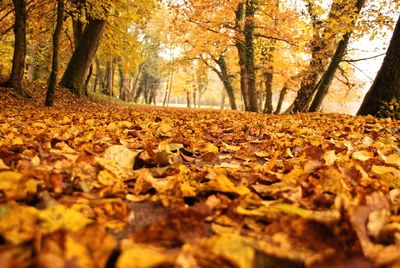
[386, 85]
[18, 63]
[56, 47]
[86, 48]
[326, 80]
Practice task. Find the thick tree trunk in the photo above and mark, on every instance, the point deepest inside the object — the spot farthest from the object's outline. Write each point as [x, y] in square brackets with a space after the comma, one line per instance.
[227, 81]
[387, 83]
[56, 45]
[77, 24]
[78, 67]
[240, 46]
[268, 109]
[18, 64]
[249, 53]
[326, 80]
[282, 96]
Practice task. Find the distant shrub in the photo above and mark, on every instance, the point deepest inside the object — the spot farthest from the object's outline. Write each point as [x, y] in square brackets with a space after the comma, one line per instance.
[390, 109]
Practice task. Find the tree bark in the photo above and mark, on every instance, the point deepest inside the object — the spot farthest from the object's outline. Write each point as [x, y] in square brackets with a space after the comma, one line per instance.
[87, 80]
[268, 109]
[326, 80]
[240, 46]
[227, 81]
[56, 46]
[18, 64]
[188, 99]
[387, 82]
[122, 82]
[282, 96]
[110, 78]
[170, 87]
[98, 75]
[249, 53]
[82, 58]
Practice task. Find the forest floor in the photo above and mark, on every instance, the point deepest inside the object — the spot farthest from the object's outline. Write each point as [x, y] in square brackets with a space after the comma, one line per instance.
[94, 184]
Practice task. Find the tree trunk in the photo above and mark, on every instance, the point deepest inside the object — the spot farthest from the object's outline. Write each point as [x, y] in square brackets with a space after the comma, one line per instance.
[77, 24]
[170, 88]
[326, 80]
[387, 82]
[281, 99]
[98, 74]
[56, 45]
[166, 93]
[87, 81]
[227, 81]
[194, 98]
[82, 58]
[249, 53]
[268, 109]
[18, 64]
[240, 46]
[110, 78]
[122, 86]
[188, 99]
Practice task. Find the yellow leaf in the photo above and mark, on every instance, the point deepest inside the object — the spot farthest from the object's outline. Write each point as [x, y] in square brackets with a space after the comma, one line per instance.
[60, 217]
[17, 141]
[362, 155]
[143, 256]
[380, 170]
[330, 157]
[17, 223]
[233, 247]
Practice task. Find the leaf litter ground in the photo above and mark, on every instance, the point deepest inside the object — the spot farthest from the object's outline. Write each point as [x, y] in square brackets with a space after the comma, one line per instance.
[94, 184]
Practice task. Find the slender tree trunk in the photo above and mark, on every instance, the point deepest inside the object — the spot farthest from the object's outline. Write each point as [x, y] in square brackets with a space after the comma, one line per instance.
[282, 96]
[98, 74]
[56, 45]
[326, 80]
[188, 99]
[110, 76]
[194, 98]
[387, 82]
[82, 58]
[268, 109]
[170, 87]
[227, 81]
[122, 86]
[166, 93]
[18, 64]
